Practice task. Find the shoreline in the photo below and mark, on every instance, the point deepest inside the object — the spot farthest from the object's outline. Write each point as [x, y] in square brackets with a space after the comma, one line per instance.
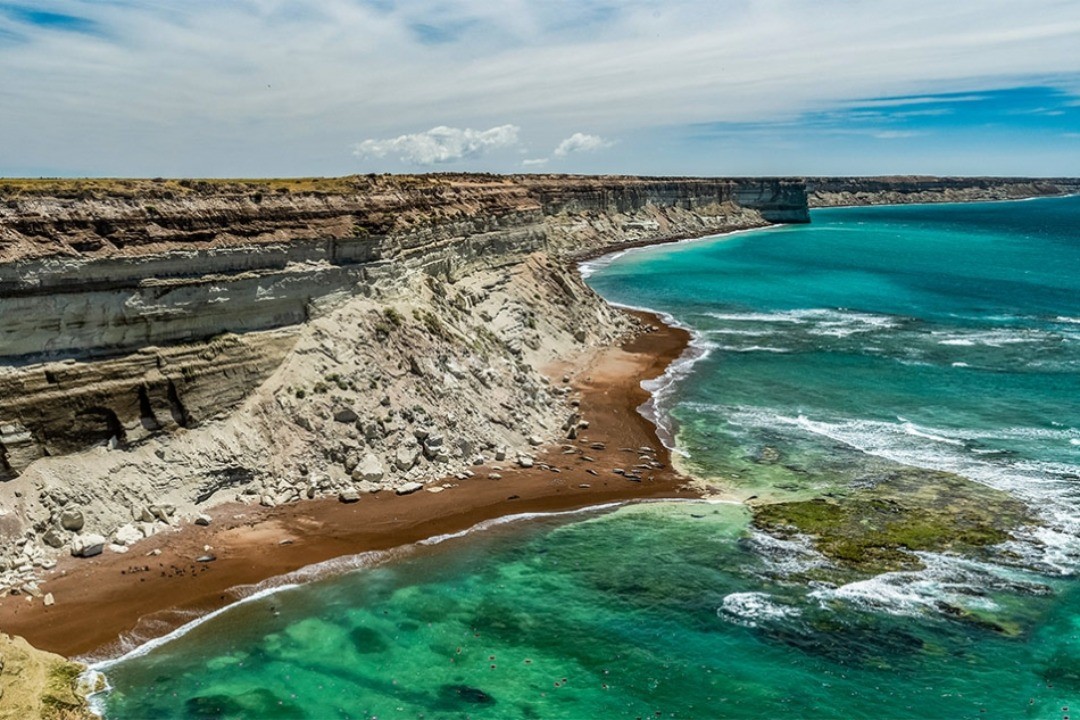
[107, 603]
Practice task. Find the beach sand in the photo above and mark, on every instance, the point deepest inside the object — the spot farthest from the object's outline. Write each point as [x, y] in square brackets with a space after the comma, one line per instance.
[140, 595]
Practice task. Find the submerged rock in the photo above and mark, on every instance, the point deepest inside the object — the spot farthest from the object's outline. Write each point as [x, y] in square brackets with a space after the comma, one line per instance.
[878, 529]
[466, 694]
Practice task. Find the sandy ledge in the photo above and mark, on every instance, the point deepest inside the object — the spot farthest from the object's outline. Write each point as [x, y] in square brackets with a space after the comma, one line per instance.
[141, 595]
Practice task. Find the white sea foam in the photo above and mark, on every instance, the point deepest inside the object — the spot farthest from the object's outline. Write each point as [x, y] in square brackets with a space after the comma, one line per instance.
[519, 517]
[739, 332]
[149, 645]
[996, 337]
[913, 429]
[752, 348]
[750, 608]
[785, 557]
[818, 321]
[945, 579]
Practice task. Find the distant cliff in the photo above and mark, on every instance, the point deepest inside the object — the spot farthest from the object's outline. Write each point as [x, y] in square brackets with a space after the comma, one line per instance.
[910, 189]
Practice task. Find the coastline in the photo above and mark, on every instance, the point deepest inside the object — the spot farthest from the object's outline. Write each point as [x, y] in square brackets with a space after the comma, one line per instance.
[108, 603]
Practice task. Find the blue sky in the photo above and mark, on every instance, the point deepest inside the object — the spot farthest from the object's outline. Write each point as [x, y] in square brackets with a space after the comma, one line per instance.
[701, 87]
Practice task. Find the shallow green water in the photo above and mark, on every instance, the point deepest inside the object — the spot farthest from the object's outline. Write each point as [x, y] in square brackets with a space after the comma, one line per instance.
[669, 609]
[943, 337]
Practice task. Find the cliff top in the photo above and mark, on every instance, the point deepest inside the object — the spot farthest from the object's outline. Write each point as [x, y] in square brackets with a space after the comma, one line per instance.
[169, 188]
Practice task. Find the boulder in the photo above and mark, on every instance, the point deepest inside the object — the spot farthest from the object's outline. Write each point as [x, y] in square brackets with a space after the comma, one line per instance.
[87, 545]
[536, 440]
[71, 519]
[127, 535]
[53, 538]
[202, 519]
[525, 461]
[369, 469]
[409, 488]
[345, 415]
[349, 495]
[406, 457]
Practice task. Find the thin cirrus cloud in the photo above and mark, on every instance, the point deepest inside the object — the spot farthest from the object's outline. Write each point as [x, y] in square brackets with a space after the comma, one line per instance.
[440, 144]
[271, 87]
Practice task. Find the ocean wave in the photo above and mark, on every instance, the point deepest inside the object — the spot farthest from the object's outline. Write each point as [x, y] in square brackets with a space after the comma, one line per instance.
[784, 558]
[818, 321]
[750, 608]
[997, 337]
[945, 584]
[927, 434]
[739, 332]
[519, 517]
[751, 349]
[147, 646]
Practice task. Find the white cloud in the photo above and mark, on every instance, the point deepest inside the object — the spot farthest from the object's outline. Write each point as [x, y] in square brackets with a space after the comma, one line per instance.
[534, 162]
[580, 142]
[440, 144]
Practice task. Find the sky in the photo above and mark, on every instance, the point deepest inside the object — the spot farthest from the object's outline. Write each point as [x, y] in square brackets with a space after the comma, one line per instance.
[283, 88]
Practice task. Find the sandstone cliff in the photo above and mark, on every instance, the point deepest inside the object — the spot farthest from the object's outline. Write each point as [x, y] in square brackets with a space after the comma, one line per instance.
[910, 189]
[165, 345]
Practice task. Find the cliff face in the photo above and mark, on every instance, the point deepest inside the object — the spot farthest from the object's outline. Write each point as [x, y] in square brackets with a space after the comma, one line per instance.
[163, 342]
[900, 190]
[137, 276]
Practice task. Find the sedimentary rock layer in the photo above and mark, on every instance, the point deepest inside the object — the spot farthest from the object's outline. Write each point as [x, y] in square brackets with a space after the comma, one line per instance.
[165, 345]
[121, 275]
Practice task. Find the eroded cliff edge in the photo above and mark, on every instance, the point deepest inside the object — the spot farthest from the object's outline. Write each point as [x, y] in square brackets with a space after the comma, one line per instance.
[165, 345]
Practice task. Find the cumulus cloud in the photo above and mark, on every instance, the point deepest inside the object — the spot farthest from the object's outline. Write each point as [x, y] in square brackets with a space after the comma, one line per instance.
[580, 142]
[534, 162]
[440, 144]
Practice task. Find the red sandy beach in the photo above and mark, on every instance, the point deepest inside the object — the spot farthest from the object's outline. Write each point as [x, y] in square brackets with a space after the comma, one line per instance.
[104, 598]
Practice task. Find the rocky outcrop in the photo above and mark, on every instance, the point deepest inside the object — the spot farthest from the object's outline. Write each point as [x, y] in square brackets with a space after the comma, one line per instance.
[36, 684]
[910, 189]
[166, 345]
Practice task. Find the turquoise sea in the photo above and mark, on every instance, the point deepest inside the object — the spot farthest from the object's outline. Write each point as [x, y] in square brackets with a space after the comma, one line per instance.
[825, 357]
